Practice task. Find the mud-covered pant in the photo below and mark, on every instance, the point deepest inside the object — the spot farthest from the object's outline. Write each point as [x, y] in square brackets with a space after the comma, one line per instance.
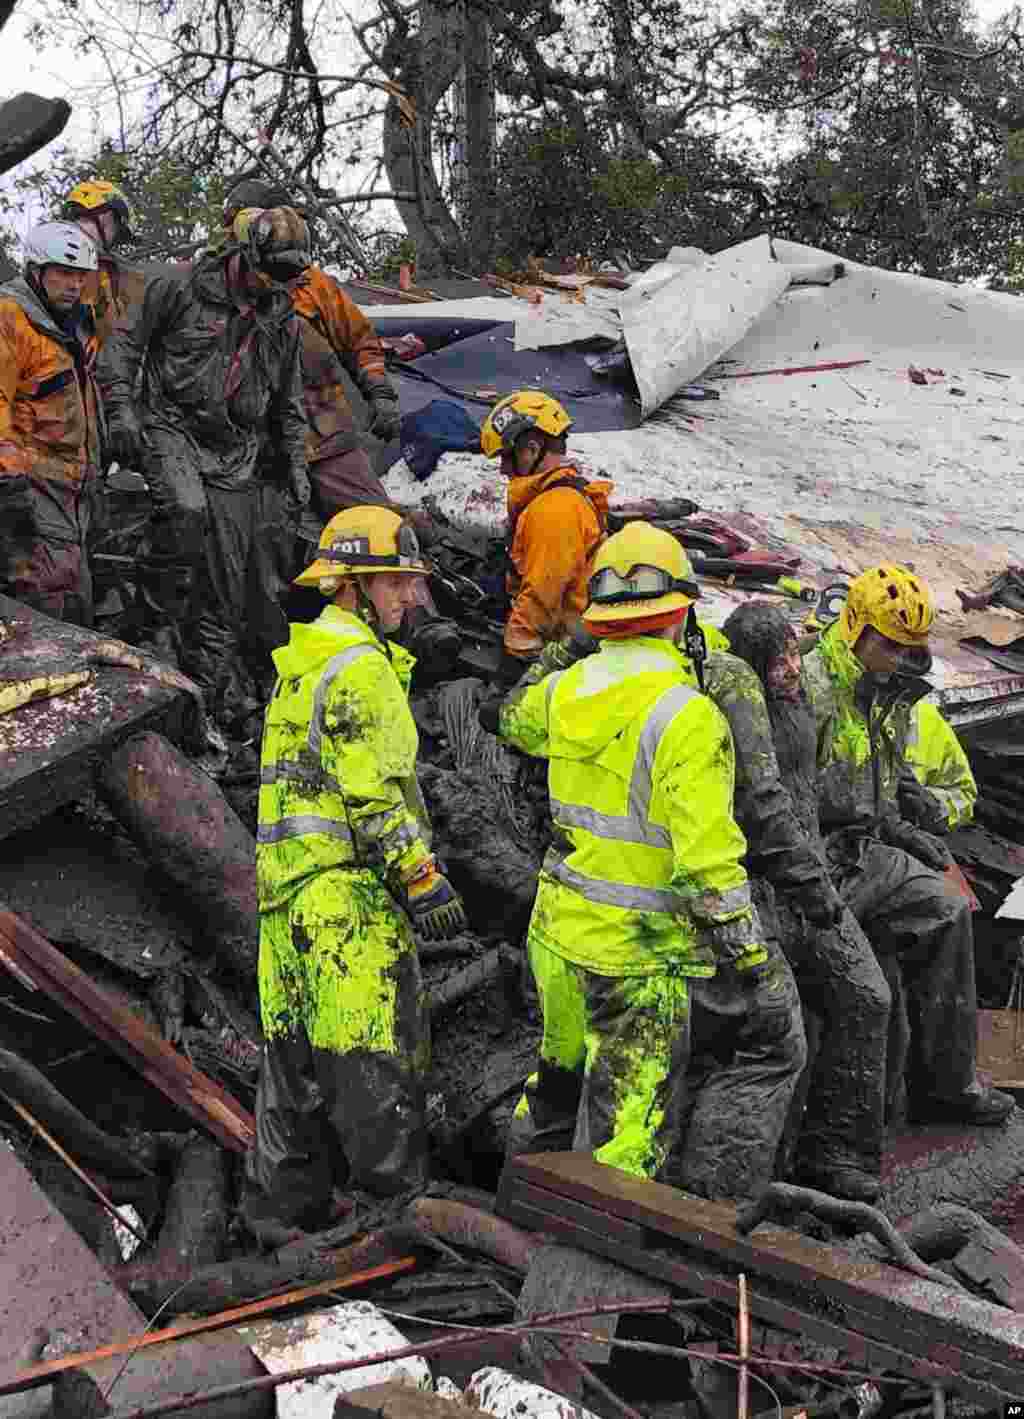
[342, 1089]
[907, 912]
[345, 480]
[840, 979]
[628, 1043]
[43, 562]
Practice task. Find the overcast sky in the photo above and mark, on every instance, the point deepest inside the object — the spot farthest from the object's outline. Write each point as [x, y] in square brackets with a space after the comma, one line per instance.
[59, 73]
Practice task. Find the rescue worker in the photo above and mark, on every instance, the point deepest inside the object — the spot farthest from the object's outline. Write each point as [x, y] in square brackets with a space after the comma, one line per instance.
[643, 917]
[336, 337]
[219, 430]
[556, 522]
[759, 689]
[101, 210]
[862, 678]
[343, 866]
[941, 792]
[49, 424]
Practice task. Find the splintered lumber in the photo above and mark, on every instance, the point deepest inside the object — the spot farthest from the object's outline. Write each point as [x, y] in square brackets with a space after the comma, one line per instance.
[878, 1316]
[180, 818]
[15, 693]
[33, 959]
[395, 1400]
[194, 1228]
[45, 1373]
[49, 748]
[22, 1082]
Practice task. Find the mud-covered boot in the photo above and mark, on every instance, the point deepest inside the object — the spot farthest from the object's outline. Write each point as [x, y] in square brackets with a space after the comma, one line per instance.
[840, 1180]
[978, 1105]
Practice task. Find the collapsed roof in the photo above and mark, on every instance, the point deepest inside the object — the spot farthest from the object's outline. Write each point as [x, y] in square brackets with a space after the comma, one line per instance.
[878, 416]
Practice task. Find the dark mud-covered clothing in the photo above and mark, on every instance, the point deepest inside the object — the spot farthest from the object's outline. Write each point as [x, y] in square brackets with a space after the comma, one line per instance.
[835, 968]
[903, 906]
[221, 409]
[50, 443]
[341, 822]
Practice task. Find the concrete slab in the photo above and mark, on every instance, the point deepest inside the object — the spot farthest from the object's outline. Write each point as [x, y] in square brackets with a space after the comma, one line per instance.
[49, 748]
[53, 1290]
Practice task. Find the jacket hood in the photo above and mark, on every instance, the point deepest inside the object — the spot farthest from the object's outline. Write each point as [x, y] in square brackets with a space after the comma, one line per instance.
[18, 289]
[615, 687]
[310, 647]
[556, 469]
[838, 659]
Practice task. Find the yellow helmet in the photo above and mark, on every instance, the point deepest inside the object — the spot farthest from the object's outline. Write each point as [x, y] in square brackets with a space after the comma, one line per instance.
[893, 600]
[361, 541]
[640, 571]
[95, 196]
[517, 414]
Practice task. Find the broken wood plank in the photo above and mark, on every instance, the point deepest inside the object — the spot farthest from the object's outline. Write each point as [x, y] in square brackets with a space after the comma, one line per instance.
[31, 957]
[49, 749]
[44, 1374]
[394, 1400]
[790, 1275]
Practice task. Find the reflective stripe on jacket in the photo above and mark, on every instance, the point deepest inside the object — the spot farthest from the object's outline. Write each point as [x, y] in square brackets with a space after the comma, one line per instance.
[845, 779]
[554, 530]
[338, 770]
[939, 763]
[645, 869]
[48, 404]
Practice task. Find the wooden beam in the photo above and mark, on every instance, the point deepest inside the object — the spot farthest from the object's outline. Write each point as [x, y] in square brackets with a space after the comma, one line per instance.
[28, 955]
[860, 1305]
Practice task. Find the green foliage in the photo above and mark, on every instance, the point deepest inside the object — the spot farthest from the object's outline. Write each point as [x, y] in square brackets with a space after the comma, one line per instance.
[386, 252]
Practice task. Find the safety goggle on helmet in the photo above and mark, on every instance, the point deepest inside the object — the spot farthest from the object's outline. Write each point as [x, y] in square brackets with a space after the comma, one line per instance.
[640, 570]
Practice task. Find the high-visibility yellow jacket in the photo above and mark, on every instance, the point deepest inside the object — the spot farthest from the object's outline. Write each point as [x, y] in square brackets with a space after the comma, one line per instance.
[846, 794]
[645, 871]
[940, 764]
[338, 773]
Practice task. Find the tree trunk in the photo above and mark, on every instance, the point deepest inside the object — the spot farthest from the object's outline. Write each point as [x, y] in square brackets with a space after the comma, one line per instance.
[194, 1229]
[426, 75]
[479, 138]
[182, 820]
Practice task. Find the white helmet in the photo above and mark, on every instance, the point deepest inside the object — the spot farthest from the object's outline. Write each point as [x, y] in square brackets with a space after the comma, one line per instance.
[60, 244]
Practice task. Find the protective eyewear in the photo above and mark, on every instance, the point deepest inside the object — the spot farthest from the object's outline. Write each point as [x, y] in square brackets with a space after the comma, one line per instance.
[642, 583]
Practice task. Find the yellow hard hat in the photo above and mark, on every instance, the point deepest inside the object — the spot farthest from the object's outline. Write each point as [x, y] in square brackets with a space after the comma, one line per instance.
[361, 541]
[517, 414]
[893, 600]
[640, 571]
[95, 196]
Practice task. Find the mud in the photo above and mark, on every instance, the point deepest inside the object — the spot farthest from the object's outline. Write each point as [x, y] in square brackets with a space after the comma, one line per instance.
[979, 1168]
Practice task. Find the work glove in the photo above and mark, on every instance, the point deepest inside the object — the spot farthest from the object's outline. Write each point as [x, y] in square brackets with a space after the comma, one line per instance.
[124, 437]
[926, 847]
[385, 416]
[918, 805]
[433, 904]
[488, 711]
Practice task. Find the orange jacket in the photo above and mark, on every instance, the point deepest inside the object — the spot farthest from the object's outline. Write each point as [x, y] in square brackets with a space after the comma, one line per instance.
[557, 521]
[48, 404]
[335, 335]
[112, 293]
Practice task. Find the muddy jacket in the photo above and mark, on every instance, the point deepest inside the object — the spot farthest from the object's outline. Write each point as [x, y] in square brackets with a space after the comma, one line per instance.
[783, 841]
[336, 336]
[49, 417]
[556, 522]
[338, 779]
[939, 763]
[645, 872]
[220, 382]
[845, 781]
